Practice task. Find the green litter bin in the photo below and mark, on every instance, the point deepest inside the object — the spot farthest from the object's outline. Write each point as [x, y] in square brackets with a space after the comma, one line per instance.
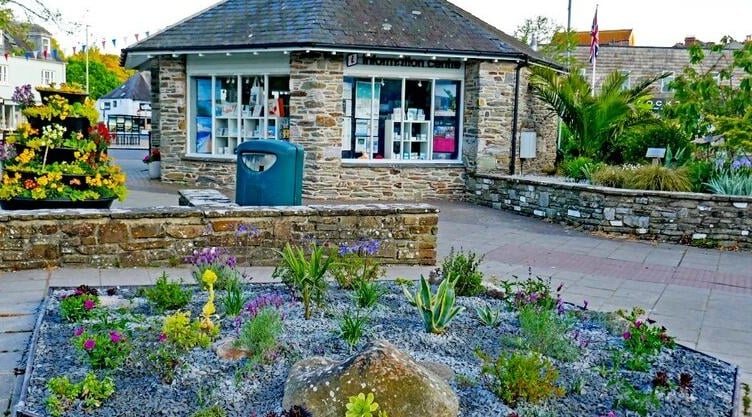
[269, 173]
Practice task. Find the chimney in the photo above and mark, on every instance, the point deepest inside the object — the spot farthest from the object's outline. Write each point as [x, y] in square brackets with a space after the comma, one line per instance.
[748, 39]
[690, 40]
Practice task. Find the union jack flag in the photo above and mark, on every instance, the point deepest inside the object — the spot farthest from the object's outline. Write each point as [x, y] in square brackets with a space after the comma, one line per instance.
[594, 38]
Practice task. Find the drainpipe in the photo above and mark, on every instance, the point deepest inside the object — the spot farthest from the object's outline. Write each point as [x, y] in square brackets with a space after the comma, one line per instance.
[516, 114]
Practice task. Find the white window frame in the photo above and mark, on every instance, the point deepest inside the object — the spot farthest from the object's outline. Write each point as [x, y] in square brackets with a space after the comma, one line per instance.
[46, 43]
[48, 77]
[4, 74]
[665, 89]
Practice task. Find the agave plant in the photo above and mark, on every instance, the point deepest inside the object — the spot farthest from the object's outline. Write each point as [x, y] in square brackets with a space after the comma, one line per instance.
[437, 310]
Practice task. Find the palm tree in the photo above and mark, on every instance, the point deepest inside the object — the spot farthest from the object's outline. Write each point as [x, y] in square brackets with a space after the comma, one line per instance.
[595, 121]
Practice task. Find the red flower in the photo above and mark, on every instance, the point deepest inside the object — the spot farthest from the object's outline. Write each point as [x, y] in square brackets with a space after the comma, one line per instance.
[30, 184]
[88, 304]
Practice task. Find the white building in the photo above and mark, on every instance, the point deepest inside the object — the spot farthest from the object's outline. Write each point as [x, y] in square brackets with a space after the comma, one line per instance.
[29, 61]
[127, 110]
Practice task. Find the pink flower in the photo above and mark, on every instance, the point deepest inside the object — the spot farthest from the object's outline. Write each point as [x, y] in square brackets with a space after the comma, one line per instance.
[78, 332]
[162, 337]
[626, 335]
[89, 344]
[88, 304]
[638, 323]
[115, 337]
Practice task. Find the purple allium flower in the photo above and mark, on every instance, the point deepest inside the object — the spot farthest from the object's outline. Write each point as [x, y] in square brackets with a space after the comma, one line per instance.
[626, 335]
[162, 337]
[78, 332]
[89, 344]
[88, 304]
[115, 337]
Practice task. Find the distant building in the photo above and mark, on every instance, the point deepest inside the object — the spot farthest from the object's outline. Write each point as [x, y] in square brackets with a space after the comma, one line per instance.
[127, 109]
[26, 61]
[620, 37]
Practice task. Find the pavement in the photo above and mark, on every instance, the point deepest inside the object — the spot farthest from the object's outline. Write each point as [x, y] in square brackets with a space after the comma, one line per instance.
[703, 296]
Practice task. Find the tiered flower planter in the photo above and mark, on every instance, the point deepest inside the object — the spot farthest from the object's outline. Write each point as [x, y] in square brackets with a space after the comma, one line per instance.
[67, 170]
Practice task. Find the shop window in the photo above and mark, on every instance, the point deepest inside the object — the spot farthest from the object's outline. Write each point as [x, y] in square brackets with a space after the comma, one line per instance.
[229, 110]
[400, 119]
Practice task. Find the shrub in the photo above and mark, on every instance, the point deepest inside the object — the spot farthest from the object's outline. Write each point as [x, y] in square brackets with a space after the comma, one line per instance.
[254, 306]
[367, 294]
[536, 291]
[356, 263]
[259, 334]
[104, 349]
[352, 328]
[305, 274]
[461, 268]
[630, 147]
[659, 178]
[91, 391]
[544, 332]
[699, 173]
[185, 334]
[610, 176]
[78, 306]
[576, 168]
[489, 316]
[167, 295]
[519, 376]
[436, 310]
[212, 411]
[643, 339]
[731, 183]
[233, 299]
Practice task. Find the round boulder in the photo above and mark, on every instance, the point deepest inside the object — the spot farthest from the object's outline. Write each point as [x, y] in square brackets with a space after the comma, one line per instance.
[401, 386]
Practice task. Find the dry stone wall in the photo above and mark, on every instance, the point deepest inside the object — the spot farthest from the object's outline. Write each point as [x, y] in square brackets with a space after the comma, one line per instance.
[164, 236]
[675, 217]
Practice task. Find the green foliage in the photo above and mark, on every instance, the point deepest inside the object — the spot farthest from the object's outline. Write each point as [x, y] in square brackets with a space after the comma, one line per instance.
[352, 328]
[78, 307]
[516, 376]
[367, 294]
[167, 295]
[211, 411]
[545, 332]
[233, 300]
[710, 97]
[436, 310]
[183, 333]
[643, 339]
[305, 274]
[631, 146]
[489, 316]
[595, 121]
[164, 360]
[104, 72]
[746, 400]
[404, 282]
[700, 173]
[659, 178]
[461, 268]
[103, 349]
[91, 391]
[535, 291]
[577, 168]
[259, 334]
[635, 399]
[363, 406]
[611, 176]
[356, 263]
[731, 183]
[677, 157]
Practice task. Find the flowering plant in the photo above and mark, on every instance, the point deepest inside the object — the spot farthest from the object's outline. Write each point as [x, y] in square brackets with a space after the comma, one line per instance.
[253, 307]
[78, 305]
[152, 156]
[103, 349]
[215, 259]
[100, 135]
[643, 339]
[356, 263]
[24, 96]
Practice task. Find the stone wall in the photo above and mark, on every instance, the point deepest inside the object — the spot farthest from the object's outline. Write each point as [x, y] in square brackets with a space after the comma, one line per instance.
[674, 217]
[316, 120]
[489, 116]
[417, 182]
[164, 236]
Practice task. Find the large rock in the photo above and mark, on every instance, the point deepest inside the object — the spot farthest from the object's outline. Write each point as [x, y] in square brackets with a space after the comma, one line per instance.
[402, 387]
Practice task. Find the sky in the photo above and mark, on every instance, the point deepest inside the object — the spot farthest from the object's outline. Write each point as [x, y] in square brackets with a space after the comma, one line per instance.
[655, 22]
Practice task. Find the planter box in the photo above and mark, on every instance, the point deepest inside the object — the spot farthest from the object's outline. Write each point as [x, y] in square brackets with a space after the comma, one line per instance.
[70, 96]
[22, 203]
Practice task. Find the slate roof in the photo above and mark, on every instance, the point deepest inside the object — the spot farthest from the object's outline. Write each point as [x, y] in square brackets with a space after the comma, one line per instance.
[419, 26]
[137, 87]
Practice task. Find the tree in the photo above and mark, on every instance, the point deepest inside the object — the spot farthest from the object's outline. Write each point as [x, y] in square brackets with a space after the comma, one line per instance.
[595, 121]
[710, 96]
[540, 28]
[105, 73]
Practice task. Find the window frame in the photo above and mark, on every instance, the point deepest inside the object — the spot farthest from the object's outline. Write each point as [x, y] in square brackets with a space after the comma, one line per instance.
[48, 76]
[665, 89]
[4, 74]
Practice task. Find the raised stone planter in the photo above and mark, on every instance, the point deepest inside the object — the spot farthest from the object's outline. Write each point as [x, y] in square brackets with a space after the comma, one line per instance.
[706, 219]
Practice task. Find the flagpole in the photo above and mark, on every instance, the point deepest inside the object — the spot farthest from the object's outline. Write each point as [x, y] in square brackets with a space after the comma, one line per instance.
[86, 53]
[594, 46]
[592, 83]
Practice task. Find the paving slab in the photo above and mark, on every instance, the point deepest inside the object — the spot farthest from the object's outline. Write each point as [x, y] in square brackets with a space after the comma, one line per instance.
[17, 323]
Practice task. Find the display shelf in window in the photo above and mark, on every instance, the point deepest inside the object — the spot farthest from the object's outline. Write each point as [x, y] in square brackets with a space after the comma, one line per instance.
[409, 139]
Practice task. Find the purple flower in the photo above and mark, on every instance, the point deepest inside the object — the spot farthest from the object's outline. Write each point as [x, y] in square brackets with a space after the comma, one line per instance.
[115, 337]
[78, 332]
[253, 307]
[89, 344]
[626, 335]
[88, 304]
[637, 323]
[162, 337]
[533, 297]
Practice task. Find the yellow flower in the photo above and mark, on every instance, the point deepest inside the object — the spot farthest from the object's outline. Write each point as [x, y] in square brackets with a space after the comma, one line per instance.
[26, 156]
[42, 181]
[209, 277]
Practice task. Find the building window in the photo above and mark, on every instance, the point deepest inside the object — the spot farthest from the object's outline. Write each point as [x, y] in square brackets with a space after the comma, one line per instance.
[3, 74]
[401, 119]
[45, 44]
[229, 110]
[716, 77]
[48, 77]
[627, 81]
[665, 83]
[114, 104]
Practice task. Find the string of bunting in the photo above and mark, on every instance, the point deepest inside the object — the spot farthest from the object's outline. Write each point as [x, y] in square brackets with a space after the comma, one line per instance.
[46, 53]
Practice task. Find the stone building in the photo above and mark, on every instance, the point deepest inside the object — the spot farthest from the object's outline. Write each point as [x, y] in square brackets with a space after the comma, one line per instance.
[390, 100]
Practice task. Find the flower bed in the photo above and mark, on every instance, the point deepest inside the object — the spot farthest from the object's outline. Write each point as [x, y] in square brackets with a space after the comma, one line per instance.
[144, 358]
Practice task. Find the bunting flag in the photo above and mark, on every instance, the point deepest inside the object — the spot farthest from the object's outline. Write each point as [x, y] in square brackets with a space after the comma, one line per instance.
[147, 33]
[54, 54]
[103, 43]
[27, 55]
[44, 52]
[136, 35]
[6, 56]
[83, 48]
[36, 54]
[114, 42]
